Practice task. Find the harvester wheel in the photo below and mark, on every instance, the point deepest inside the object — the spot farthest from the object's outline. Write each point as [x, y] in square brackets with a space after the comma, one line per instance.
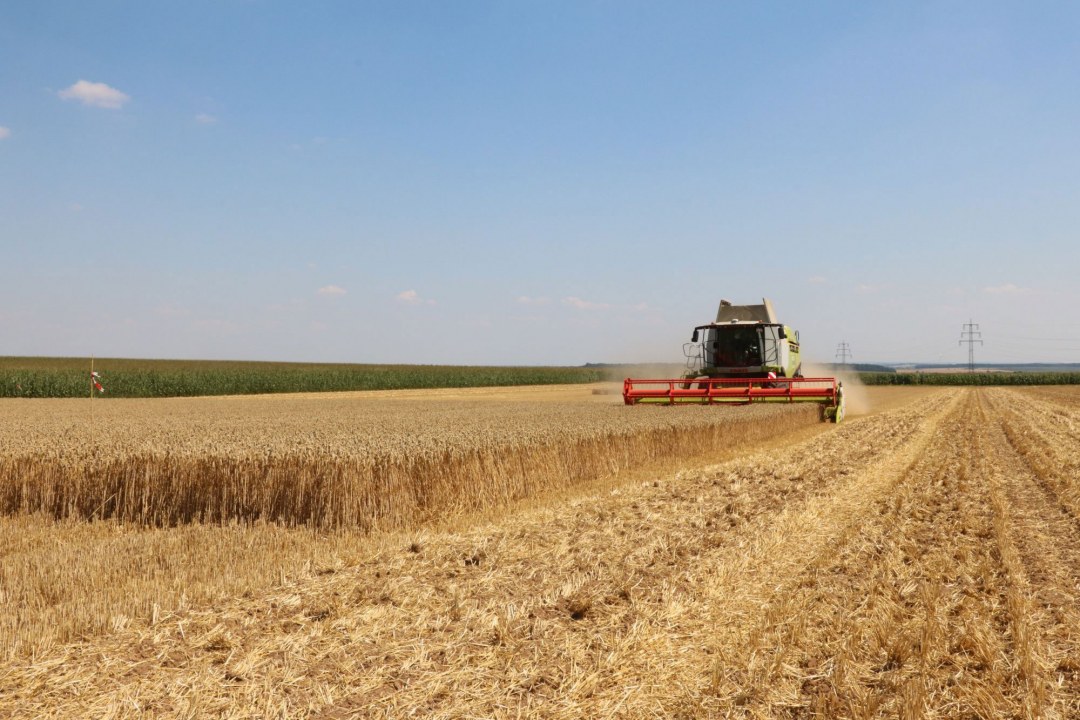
[836, 412]
[840, 403]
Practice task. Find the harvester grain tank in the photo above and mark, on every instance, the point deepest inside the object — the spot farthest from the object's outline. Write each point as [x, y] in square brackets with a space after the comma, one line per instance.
[745, 356]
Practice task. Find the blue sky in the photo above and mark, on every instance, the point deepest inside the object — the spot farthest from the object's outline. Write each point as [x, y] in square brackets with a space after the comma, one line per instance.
[536, 182]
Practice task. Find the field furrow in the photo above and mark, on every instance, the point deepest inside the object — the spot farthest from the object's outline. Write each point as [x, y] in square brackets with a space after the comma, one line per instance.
[1029, 677]
[1047, 538]
[1046, 433]
[764, 607]
[856, 633]
[922, 610]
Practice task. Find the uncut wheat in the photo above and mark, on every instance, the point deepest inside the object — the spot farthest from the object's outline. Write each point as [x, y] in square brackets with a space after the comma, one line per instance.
[335, 463]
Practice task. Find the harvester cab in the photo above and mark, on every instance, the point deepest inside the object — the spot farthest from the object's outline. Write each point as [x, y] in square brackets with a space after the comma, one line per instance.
[746, 355]
[744, 341]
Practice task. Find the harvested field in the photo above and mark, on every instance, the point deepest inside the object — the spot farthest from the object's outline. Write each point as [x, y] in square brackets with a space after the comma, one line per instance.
[919, 561]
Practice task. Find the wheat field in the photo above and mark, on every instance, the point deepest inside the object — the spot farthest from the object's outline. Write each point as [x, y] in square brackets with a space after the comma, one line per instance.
[920, 561]
[124, 509]
[324, 461]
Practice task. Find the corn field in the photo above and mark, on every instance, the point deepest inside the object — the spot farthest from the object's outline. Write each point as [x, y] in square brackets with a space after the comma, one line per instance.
[921, 560]
[127, 378]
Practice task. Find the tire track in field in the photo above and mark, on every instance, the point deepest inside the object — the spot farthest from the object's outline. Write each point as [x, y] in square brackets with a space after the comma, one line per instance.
[1047, 537]
[757, 596]
[1046, 434]
[991, 454]
[603, 606]
[905, 618]
[1066, 396]
[981, 647]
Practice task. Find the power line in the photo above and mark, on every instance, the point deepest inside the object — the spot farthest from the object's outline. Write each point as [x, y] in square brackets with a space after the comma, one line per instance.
[843, 351]
[1032, 337]
[971, 335]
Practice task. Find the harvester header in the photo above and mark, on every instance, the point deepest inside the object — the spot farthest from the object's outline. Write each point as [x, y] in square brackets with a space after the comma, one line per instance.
[745, 356]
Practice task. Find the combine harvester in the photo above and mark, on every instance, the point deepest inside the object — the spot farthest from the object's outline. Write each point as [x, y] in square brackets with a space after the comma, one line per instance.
[746, 356]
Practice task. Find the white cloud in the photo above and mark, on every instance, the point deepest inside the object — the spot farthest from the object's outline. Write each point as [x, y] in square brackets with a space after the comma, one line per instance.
[4, 132]
[817, 280]
[205, 119]
[411, 297]
[330, 291]
[95, 95]
[1006, 289]
[865, 288]
[526, 300]
[580, 304]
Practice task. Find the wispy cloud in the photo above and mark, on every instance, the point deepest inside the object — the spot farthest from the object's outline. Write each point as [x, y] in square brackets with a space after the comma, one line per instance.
[205, 119]
[586, 305]
[95, 95]
[1006, 289]
[4, 132]
[526, 300]
[817, 280]
[331, 291]
[411, 297]
[866, 288]
[576, 302]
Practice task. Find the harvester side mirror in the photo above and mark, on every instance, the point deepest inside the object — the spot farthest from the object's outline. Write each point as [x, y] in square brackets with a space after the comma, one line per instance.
[783, 333]
[694, 337]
